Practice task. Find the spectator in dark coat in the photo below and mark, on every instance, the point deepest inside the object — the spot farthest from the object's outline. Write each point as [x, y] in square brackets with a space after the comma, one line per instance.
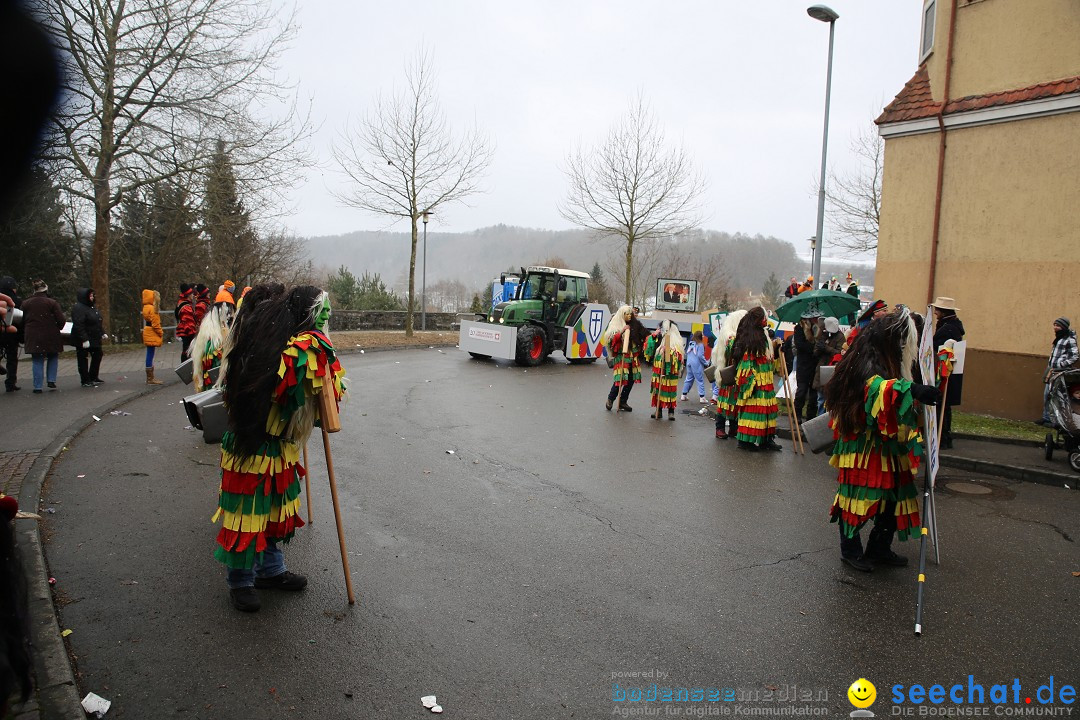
[87, 331]
[829, 344]
[42, 321]
[9, 342]
[948, 327]
[805, 366]
[1063, 355]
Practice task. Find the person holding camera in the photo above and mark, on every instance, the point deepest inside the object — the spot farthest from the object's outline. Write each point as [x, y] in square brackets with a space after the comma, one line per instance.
[12, 335]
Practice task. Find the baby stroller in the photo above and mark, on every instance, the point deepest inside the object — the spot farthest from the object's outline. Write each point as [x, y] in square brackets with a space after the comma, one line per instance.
[1064, 407]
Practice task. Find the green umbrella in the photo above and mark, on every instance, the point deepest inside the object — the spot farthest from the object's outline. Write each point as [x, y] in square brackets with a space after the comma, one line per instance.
[829, 303]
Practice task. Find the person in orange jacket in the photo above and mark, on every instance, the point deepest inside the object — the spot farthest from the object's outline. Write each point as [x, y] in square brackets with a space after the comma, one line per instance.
[152, 334]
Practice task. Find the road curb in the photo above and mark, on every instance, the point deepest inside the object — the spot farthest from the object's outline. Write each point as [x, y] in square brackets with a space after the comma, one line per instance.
[57, 691]
[985, 467]
[1012, 472]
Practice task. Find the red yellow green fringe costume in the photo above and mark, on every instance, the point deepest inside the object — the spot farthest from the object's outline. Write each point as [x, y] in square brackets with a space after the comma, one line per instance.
[878, 465]
[726, 395]
[755, 399]
[211, 358]
[944, 363]
[627, 367]
[260, 495]
[666, 368]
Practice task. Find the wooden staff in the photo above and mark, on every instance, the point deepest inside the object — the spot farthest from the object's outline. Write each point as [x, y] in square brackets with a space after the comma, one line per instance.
[793, 420]
[307, 484]
[330, 422]
[941, 420]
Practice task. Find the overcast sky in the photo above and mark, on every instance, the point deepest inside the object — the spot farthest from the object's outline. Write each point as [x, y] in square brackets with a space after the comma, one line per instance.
[740, 85]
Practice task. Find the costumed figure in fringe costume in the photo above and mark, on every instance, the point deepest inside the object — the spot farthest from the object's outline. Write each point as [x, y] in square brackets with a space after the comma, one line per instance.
[624, 338]
[666, 350]
[277, 360]
[874, 416]
[207, 346]
[755, 393]
[726, 395]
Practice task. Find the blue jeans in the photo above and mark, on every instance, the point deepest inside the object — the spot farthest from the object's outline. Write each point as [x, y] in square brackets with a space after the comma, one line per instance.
[820, 402]
[271, 565]
[1046, 404]
[150, 356]
[40, 370]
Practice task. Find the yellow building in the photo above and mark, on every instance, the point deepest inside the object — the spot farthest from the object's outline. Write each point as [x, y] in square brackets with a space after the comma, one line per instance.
[981, 187]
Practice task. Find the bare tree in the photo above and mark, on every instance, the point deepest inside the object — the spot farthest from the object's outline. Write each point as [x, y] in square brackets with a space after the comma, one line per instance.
[690, 258]
[633, 187]
[855, 199]
[405, 162]
[150, 86]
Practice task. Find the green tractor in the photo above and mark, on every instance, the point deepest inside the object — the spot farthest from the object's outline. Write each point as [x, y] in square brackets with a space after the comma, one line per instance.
[550, 311]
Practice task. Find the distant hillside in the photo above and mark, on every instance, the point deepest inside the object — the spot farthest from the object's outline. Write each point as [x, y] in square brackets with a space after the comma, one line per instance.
[475, 257]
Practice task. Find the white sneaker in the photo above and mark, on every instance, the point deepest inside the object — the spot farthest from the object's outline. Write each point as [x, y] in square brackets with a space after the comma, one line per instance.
[701, 399]
[683, 396]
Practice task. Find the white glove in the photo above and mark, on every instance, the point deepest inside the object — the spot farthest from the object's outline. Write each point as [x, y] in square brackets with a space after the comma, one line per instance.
[85, 344]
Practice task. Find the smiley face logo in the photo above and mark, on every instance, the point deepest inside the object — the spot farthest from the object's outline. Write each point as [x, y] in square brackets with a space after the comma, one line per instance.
[862, 693]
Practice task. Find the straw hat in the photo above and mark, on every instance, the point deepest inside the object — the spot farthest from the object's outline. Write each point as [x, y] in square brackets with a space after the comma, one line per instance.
[945, 303]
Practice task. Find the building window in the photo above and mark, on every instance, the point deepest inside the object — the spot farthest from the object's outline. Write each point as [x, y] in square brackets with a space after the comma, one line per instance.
[927, 45]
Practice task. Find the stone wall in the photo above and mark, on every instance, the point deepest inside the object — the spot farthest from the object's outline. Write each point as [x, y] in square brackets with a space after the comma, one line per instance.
[342, 320]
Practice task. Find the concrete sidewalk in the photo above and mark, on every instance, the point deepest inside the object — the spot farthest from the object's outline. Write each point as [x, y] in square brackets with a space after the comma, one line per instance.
[38, 430]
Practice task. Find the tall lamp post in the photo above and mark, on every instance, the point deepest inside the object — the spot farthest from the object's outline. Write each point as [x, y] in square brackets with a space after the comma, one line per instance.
[423, 282]
[824, 14]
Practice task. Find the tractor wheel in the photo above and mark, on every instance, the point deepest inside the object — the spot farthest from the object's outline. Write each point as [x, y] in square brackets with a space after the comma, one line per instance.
[530, 346]
[1049, 446]
[1074, 461]
[478, 356]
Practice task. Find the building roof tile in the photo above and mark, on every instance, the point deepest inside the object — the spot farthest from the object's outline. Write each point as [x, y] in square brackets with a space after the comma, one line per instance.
[915, 101]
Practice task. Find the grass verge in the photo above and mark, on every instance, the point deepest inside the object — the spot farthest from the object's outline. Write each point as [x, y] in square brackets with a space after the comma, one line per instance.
[996, 427]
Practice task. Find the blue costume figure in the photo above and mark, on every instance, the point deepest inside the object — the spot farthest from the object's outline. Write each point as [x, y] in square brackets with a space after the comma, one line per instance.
[695, 367]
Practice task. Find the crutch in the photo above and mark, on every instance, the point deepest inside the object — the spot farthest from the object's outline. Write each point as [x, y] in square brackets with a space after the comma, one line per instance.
[331, 422]
[307, 484]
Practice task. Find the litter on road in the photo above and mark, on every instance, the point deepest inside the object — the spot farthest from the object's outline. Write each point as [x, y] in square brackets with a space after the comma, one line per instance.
[96, 705]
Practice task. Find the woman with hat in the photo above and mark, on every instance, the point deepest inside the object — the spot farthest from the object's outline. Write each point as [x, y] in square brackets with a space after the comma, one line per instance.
[947, 326]
[42, 322]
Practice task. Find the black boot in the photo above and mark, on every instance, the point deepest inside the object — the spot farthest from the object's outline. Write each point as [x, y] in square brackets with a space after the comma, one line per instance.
[851, 552]
[879, 544]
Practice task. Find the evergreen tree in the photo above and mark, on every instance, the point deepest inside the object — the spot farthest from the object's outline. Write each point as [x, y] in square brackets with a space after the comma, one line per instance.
[771, 291]
[477, 306]
[372, 294]
[599, 292]
[343, 289]
[227, 225]
[34, 244]
[156, 247]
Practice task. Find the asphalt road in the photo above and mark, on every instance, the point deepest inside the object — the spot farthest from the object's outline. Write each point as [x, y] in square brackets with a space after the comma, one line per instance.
[518, 551]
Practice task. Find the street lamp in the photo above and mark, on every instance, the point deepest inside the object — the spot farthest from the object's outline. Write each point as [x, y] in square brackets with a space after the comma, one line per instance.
[824, 14]
[423, 283]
